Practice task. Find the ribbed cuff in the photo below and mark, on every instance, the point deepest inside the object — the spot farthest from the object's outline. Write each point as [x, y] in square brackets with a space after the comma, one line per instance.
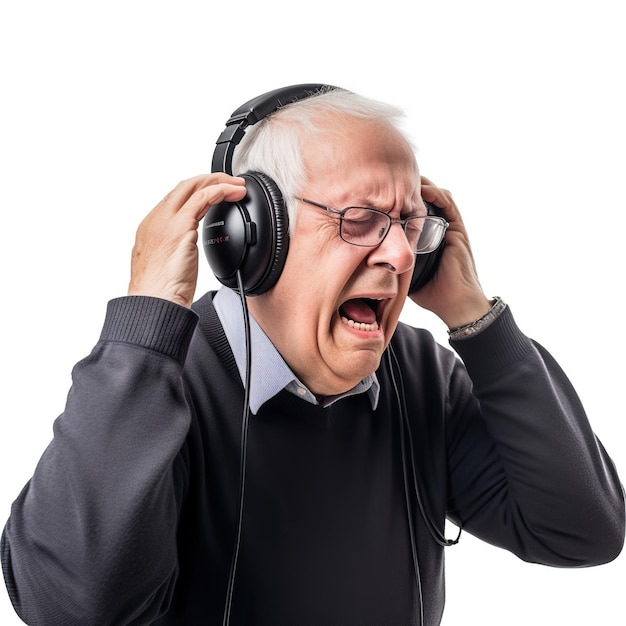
[489, 353]
[151, 323]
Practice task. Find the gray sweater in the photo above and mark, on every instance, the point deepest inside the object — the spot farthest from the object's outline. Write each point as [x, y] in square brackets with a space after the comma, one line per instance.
[130, 516]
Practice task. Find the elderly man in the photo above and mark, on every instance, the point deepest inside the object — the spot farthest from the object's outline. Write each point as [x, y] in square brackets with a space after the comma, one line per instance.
[153, 505]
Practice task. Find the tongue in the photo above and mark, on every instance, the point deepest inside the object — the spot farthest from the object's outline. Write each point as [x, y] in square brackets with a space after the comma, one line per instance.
[359, 311]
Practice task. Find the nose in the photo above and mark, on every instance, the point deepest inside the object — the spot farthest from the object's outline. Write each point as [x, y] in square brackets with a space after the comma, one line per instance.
[394, 252]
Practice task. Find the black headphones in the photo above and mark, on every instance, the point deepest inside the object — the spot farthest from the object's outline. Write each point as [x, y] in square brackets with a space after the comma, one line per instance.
[252, 235]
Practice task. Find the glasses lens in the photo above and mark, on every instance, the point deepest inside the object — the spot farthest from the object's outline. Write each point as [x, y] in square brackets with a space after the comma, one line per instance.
[363, 227]
[368, 227]
[425, 233]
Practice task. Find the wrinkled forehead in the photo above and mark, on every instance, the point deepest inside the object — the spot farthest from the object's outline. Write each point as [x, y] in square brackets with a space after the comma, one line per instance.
[360, 162]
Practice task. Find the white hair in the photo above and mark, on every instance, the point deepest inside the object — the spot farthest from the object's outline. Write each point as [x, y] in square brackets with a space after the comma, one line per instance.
[273, 145]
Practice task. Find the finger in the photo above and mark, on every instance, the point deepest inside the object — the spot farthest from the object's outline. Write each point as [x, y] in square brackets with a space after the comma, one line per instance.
[198, 204]
[441, 198]
[432, 193]
[185, 189]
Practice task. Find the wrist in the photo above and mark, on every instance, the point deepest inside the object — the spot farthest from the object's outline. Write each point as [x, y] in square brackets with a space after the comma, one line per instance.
[496, 306]
[466, 312]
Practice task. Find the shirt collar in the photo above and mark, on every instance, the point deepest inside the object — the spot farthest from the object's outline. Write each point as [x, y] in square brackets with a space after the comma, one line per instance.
[269, 373]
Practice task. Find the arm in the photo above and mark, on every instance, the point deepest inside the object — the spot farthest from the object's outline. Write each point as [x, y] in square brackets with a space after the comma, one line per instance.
[526, 471]
[92, 537]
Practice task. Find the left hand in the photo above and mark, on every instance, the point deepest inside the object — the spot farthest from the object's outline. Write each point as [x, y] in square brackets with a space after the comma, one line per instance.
[454, 294]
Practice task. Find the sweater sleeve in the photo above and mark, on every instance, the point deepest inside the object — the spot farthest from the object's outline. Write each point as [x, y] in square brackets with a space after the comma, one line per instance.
[527, 473]
[91, 539]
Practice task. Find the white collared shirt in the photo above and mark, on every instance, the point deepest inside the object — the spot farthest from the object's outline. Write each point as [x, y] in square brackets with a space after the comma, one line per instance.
[269, 373]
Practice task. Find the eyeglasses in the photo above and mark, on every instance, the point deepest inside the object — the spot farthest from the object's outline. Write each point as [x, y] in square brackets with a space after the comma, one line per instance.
[361, 226]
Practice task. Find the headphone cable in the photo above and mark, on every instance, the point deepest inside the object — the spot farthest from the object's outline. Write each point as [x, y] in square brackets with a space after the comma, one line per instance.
[409, 508]
[437, 535]
[243, 453]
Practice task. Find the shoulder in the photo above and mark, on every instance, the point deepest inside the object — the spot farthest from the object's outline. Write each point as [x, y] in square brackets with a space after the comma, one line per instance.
[417, 348]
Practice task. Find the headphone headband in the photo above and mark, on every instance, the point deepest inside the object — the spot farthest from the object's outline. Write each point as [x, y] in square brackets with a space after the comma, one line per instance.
[252, 235]
[252, 112]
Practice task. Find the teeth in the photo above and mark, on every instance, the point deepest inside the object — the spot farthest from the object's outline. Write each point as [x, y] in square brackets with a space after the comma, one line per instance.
[359, 325]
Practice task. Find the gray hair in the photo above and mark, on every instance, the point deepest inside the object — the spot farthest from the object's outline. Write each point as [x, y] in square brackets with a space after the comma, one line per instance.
[273, 145]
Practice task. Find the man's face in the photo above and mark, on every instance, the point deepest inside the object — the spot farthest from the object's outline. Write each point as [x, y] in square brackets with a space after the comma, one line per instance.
[336, 305]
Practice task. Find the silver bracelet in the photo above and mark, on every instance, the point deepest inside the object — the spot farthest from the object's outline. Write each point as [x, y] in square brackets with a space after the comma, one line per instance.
[480, 324]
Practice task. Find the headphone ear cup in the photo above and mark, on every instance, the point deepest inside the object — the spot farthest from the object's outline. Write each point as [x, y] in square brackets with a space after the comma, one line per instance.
[425, 268]
[251, 235]
[426, 264]
[266, 259]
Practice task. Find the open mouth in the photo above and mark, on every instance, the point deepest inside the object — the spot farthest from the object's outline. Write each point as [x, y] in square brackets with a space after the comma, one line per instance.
[361, 313]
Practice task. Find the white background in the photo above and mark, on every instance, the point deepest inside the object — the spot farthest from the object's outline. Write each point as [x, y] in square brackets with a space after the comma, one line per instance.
[518, 108]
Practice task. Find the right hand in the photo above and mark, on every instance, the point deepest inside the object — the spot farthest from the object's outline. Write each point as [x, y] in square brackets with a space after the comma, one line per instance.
[165, 255]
